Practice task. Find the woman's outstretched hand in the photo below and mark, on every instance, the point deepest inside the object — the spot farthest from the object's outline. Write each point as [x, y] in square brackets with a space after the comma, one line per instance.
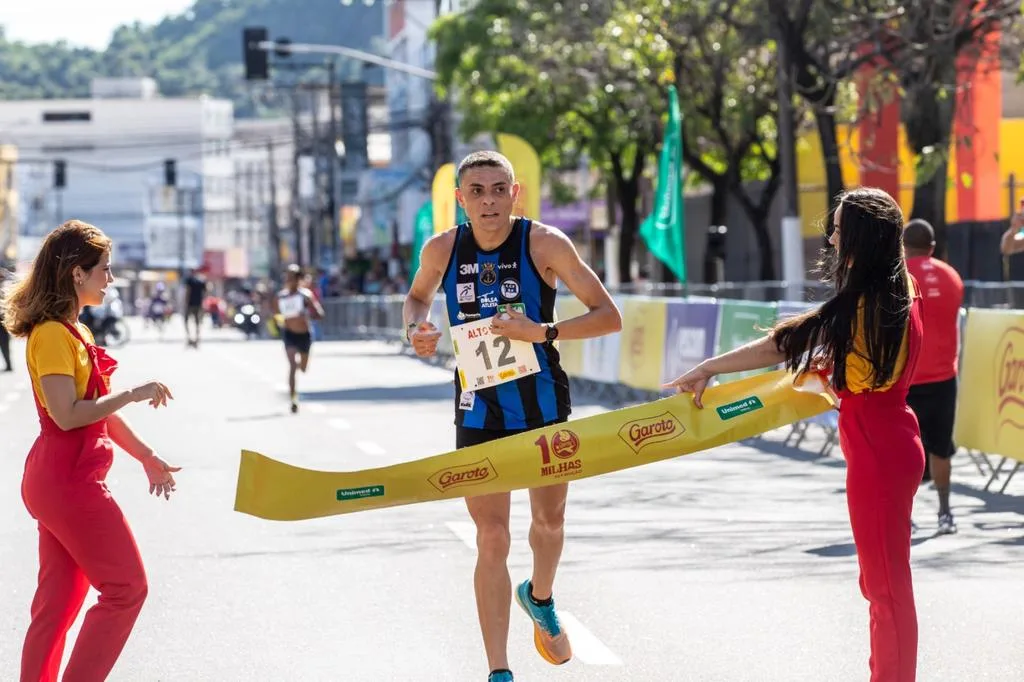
[694, 381]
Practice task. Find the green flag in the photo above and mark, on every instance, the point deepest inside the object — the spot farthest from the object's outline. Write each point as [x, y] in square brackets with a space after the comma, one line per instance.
[663, 230]
[421, 232]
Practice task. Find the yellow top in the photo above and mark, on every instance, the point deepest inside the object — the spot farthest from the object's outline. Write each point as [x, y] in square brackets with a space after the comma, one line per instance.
[53, 350]
[859, 373]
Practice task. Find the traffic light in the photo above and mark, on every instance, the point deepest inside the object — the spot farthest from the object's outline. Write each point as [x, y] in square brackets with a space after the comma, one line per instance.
[170, 173]
[60, 173]
[256, 59]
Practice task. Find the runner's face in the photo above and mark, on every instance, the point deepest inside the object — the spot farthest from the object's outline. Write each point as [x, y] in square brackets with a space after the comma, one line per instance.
[488, 195]
[94, 282]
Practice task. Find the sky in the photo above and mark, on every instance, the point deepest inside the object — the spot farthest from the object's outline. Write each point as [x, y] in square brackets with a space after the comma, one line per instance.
[88, 24]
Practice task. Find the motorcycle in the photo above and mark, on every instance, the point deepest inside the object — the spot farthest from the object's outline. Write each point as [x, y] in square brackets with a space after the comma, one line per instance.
[107, 323]
[247, 319]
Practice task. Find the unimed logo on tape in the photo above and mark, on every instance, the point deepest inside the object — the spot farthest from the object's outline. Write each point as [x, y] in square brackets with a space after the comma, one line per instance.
[359, 493]
[739, 407]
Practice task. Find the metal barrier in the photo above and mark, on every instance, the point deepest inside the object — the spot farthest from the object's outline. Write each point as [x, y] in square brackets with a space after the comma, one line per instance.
[380, 318]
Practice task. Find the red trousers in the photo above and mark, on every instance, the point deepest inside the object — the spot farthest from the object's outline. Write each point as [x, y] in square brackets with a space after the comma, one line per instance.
[884, 464]
[84, 540]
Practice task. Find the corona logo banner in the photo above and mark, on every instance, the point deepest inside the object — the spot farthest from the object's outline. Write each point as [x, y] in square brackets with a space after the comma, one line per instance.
[990, 412]
[586, 447]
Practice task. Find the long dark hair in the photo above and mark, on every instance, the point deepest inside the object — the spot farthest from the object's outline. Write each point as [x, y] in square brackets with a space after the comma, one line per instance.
[867, 269]
[48, 293]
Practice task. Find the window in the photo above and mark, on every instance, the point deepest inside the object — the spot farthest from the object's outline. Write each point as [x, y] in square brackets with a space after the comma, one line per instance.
[65, 116]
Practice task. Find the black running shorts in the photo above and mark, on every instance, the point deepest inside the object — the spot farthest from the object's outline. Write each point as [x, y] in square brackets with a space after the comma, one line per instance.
[299, 341]
[935, 407]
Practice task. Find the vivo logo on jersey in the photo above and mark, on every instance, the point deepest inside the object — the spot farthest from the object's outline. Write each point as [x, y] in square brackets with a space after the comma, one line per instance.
[469, 269]
[508, 266]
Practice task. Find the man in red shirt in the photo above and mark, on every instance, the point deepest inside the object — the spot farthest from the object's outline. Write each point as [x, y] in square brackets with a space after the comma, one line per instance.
[933, 388]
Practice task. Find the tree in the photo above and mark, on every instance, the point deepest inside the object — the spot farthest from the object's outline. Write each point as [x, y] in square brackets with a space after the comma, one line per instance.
[557, 75]
[723, 61]
[567, 79]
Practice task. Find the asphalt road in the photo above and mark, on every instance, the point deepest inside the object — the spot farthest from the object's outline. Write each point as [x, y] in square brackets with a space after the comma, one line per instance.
[732, 565]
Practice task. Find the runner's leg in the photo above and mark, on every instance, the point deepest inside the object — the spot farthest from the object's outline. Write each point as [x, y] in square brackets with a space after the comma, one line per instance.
[547, 535]
[491, 581]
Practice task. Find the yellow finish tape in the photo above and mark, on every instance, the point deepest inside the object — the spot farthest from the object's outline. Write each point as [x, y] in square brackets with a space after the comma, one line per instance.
[586, 447]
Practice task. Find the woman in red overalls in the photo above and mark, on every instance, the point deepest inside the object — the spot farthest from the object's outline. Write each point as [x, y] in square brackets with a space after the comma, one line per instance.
[869, 335]
[83, 537]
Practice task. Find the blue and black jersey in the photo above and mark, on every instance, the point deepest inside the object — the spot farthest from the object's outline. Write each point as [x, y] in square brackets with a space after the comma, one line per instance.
[475, 283]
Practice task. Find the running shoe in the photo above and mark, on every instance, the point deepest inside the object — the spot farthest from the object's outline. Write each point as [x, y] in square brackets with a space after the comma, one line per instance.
[551, 641]
[500, 676]
[295, 403]
[947, 526]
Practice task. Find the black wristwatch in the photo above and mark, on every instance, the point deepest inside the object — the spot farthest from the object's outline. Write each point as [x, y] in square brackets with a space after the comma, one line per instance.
[409, 329]
[550, 333]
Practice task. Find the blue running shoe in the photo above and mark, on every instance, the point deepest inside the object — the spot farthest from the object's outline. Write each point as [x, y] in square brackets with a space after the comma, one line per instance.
[500, 676]
[548, 636]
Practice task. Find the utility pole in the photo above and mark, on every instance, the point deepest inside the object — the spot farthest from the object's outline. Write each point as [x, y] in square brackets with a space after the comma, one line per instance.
[275, 230]
[296, 209]
[792, 235]
[332, 173]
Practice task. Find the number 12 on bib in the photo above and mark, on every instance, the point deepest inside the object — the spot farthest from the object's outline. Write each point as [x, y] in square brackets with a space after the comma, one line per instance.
[485, 359]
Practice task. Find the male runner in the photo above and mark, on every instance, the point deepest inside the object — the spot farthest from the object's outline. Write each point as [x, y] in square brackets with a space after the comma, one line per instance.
[195, 292]
[932, 393]
[497, 259]
[296, 305]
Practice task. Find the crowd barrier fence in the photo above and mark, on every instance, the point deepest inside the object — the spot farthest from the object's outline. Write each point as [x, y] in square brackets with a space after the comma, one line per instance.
[662, 337]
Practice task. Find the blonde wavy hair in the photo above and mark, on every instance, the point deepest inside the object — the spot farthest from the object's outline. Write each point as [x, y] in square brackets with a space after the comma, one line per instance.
[48, 292]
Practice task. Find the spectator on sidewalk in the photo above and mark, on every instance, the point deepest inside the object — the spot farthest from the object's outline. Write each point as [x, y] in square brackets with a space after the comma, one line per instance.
[1013, 239]
[933, 387]
[5, 337]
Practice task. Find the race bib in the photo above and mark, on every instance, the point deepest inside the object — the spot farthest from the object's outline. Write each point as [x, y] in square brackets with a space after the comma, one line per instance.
[485, 359]
[291, 306]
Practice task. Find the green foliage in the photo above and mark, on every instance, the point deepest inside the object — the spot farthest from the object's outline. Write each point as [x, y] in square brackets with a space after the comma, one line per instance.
[197, 52]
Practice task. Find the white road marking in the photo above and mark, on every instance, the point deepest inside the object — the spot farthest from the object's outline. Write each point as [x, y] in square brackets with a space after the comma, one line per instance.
[3, 408]
[316, 408]
[21, 385]
[465, 531]
[13, 397]
[585, 645]
[340, 424]
[369, 447]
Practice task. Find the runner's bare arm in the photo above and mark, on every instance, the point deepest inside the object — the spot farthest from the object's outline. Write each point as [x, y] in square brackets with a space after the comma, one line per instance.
[433, 261]
[316, 310]
[552, 251]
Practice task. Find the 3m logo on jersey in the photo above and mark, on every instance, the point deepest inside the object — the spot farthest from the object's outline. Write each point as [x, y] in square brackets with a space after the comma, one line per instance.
[469, 269]
[509, 289]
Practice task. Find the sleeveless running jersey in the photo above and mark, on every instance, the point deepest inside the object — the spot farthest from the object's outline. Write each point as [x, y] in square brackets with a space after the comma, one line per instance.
[474, 284]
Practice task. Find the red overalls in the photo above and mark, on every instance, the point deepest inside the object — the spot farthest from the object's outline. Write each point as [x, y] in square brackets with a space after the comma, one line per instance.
[83, 539]
[881, 441]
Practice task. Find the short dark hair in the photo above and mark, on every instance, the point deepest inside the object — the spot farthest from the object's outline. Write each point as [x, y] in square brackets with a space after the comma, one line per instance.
[485, 159]
[919, 235]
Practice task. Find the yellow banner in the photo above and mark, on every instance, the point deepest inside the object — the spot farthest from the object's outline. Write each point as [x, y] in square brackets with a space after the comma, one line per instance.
[443, 197]
[586, 447]
[570, 352]
[526, 164]
[990, 410]
[643, 343]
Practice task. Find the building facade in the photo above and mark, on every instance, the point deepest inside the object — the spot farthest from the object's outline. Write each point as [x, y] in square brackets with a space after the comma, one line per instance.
[102, 160]
[8, 207]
